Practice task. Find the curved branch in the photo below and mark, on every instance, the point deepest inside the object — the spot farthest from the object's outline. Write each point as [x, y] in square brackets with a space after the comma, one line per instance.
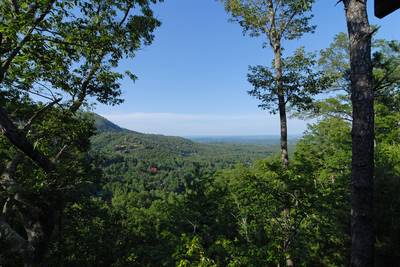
[19, 140]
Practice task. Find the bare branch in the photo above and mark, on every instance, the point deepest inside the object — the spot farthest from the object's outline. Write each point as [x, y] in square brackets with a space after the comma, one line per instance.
[59, 41]
[125, 16]
[59, 154]
[36, 93]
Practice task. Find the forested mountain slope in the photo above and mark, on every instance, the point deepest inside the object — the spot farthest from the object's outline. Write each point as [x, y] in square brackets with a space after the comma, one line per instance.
[160, 162]
[168, 201]
[113, 140]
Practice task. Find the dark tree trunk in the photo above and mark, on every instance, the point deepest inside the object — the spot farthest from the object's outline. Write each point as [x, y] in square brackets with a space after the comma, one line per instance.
[282, 106]
[37, 217]
[362, 226]
[283, 123]
[39, 223]
[284, 130]
[14, 242]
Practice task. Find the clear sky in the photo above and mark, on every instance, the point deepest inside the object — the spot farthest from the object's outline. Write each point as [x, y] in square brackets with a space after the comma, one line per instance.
[192, 79]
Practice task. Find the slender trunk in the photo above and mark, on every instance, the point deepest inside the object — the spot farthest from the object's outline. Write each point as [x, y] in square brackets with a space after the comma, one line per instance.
[283, 125]
[282, 106]
[362, 227]
[286, 244]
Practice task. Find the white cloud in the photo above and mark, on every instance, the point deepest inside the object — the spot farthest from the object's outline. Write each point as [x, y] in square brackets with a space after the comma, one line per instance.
[203, 124]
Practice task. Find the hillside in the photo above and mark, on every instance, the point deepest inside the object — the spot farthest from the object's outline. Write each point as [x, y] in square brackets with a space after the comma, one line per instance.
[129, 157]
[116, 140]
[104, 125]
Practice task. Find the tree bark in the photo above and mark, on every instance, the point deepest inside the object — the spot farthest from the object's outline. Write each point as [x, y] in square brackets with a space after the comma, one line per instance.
[39, 223]
[9, 237]
[362, 96]
[282, 106]
[283, 133]
[37, 218]
[14, 242]
[19, 140]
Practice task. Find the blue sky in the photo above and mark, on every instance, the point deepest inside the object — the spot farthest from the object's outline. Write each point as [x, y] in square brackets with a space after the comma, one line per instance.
[192, 79]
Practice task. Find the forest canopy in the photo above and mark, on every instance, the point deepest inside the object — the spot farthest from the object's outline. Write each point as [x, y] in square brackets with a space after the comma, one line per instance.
[79, 190]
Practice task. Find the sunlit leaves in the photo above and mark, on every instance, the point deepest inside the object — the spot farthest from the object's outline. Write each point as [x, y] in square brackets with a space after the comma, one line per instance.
[300, 81]
[279, 20]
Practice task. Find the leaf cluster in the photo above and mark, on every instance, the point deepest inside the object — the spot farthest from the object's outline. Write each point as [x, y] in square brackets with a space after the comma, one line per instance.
[300, 82]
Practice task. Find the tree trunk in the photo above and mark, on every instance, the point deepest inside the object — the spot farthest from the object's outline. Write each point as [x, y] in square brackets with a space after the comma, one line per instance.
[283, 125]
[287, 240]
[39, 224]
[15, 243]
[362, 227]
[20, 141]
[282, 106]
[37, 219]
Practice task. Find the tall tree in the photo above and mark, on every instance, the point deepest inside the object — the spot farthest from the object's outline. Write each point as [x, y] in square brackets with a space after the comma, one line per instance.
[362, 98]
[385, 86]
[277, 20]
[62, 52]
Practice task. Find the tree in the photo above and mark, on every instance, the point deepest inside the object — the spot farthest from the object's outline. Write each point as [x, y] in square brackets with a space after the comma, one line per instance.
[335, 62]
[337, 59]
[362, 98]
[300, 82]
[62, 53]
[278, 21]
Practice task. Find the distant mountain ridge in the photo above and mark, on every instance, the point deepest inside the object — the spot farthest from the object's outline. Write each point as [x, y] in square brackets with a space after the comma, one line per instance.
[104, 125]
[112, 139]
[263, 140]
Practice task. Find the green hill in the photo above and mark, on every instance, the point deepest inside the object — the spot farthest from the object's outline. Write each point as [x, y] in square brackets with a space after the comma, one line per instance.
[116, 140]
[104, 125]
[129, 157]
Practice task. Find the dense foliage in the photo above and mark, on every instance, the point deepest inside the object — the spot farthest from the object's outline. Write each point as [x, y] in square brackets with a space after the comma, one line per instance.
[56, 56]
[192, 212]
[78, 190]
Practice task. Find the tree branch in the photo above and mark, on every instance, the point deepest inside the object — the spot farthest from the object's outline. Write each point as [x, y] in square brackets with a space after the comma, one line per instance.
[5, 66]
[19, 140]
[7, 177]
[38, 113]
[83, 90]
[59, 154]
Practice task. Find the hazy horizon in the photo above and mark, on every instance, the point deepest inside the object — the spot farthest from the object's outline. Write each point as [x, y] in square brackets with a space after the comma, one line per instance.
[193, 79]
[203, 125]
